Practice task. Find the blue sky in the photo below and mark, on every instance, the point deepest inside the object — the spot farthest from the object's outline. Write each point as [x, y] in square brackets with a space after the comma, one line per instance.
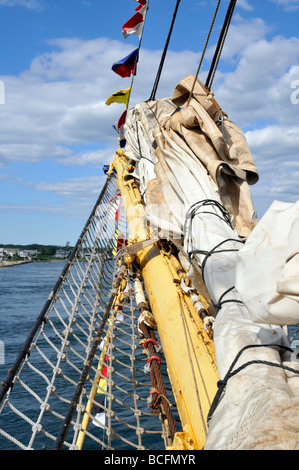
[56, 132]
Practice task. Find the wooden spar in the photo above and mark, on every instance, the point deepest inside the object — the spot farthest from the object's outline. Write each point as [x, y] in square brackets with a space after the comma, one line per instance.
[188, 350]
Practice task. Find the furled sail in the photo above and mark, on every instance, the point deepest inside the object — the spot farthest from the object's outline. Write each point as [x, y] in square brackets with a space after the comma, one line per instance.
[195, 169]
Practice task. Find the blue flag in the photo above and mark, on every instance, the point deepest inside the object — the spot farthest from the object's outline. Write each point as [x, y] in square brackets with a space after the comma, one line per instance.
[128, 65]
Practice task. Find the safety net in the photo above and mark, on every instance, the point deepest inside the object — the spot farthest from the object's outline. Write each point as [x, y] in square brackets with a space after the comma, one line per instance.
[82, 379]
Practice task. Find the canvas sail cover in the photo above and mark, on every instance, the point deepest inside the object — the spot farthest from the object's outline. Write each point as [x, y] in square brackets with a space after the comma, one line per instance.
[269, 264]
[195, 169]
[203, 132]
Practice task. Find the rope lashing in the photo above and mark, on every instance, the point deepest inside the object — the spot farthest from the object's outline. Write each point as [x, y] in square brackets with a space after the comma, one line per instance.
[231, 373]
[154, 342]
[224, 215]
[150, 397]
[156, 378]
[220, 302]
[147, 367]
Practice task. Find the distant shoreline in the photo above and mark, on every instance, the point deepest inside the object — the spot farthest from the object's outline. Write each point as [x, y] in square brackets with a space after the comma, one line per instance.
[7, 264]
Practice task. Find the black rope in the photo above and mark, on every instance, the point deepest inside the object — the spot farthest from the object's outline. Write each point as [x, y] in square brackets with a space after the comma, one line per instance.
[154, 91]
[204, 51]
[212, 252]
[220, 302]
[220, 44]
[208, 202]
[224, 216]
[231, 373]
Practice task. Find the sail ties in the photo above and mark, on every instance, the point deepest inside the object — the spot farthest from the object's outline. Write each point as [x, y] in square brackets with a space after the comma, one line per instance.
[222, 383]
[220, 302]
[191, 213]
[224, 215]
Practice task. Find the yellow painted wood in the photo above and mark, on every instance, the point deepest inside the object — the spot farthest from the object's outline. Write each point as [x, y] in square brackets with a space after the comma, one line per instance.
[96, 383]
[188, 351]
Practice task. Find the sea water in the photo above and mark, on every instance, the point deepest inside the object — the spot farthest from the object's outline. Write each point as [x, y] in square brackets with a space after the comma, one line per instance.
[23, 292]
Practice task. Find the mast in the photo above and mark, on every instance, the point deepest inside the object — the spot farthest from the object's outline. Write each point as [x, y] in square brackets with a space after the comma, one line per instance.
[188, 350]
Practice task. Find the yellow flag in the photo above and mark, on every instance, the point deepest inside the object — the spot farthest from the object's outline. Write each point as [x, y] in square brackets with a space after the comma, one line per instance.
[121, 96]
[116, 235]
[102, 386]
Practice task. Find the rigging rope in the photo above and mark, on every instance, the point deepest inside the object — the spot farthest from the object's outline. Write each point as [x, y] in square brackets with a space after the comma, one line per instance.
[6, 384]
[156, 83]
[69, 415]
[47, 395]
[204, 50]
[220, 44]
[139, 47]
[231, 372]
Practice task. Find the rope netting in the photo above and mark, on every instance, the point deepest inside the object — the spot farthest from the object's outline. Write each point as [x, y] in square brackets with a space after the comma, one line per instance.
[79, 382]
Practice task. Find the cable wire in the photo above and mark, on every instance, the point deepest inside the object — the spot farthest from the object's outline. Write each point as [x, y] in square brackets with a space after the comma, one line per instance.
[156, 83]
[220, 44]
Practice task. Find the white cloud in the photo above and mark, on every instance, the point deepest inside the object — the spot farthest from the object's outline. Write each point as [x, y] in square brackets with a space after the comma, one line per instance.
[92, 157]
[285, 141]
[260, 87]
[242, 33]
[257, 94]
[245, 5]
[31, 4]
[60, 101]
[287, 5]
[73, 188]
[56, 110]
[74, 200]
[58, 106]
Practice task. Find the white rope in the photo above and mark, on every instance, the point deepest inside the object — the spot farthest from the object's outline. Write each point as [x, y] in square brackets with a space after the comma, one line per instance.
[47, 379]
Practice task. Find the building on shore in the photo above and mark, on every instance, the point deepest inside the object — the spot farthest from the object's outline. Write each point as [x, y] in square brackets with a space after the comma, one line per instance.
[8, 253]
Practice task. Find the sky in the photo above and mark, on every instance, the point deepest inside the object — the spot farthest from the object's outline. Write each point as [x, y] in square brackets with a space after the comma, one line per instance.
[55, 75]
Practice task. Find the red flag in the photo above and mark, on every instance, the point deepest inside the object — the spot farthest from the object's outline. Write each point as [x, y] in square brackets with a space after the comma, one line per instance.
[142, 3]
[119, 125]
[135, 24]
